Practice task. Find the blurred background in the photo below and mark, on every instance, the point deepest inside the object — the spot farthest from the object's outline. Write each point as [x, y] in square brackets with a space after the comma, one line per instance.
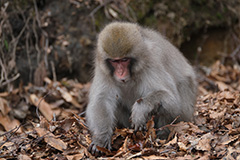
[56, 39]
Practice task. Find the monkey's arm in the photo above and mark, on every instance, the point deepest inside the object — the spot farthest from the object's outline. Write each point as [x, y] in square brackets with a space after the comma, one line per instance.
[158, 103]
[100, 117]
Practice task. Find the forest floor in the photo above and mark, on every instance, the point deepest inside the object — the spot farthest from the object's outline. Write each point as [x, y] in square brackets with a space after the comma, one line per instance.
[44, 123]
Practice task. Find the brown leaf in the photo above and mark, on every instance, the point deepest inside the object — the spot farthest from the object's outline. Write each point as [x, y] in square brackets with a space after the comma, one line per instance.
[39, 74]
[123, 149]
[104, 150]
[44, 107]
[154, 157]
[50, 139]
[66, 124]
[234, 131]
[9, 124]
[23, 157]
[69, 98]
[230, 139]
[222, 86]
[217, 115]
[204, 142]
[172, 142]
[75, 156]
[9, 145]
[136, 147]
[151, 131]
[182, 146]
[4, 106]
[231, 152]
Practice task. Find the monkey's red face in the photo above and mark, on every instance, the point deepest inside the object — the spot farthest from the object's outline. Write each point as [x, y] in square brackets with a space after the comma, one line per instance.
[120, 68]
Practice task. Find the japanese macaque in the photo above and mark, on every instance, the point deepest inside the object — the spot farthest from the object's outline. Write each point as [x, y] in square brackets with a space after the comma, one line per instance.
[138, 74]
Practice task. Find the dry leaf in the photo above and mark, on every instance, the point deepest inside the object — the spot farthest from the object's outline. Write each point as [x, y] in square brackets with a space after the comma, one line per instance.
[4, 107]
[50, 139]
[172, 142]
[154, 157]
[182, 146]
[9, 124]
[69, 98]
[44, 107]
[231, 139]
[204, 142]
[23, 157]
[217, 115]
[75, 157]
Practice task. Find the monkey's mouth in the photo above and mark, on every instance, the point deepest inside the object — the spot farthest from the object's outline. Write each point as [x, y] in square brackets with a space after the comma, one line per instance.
[122, 80]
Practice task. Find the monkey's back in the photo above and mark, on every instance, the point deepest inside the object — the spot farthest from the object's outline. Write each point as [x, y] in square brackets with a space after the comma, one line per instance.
[168, 58]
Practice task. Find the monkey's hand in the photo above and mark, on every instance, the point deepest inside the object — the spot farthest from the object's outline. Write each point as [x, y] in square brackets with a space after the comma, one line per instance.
[104, 142]
[141, 113]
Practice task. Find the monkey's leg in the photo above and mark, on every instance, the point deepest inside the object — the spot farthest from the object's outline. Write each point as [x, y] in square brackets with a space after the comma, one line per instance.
[162, 104]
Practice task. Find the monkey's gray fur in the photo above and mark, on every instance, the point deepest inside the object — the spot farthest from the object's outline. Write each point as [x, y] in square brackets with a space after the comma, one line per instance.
[162, 83]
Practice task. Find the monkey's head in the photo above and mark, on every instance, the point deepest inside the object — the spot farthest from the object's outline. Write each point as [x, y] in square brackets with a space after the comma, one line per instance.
[120, 44]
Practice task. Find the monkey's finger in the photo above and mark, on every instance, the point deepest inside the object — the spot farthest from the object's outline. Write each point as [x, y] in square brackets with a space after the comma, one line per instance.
[135, 127]
[142, 128]
[93, 150]
[132, 126]
[90, 147]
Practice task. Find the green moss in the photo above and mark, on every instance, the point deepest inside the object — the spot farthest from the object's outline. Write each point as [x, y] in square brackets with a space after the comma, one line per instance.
[99, 19]
[6, 44]
[23, 3]
[150, 21]
[141, 8]
[219, 16]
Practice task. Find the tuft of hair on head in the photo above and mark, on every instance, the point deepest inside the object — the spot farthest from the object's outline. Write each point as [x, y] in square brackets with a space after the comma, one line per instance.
[118, 38]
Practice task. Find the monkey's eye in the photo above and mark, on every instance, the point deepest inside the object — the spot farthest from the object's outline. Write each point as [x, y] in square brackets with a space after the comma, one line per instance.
[124, 59]
[113, 61]
[118, 60]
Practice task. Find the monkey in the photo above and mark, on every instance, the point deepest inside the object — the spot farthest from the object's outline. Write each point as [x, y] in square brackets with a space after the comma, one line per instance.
[138, 74]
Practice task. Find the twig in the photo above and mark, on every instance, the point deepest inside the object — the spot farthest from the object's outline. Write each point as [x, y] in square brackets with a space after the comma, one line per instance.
[36, 39]
[15, 40]
[37, 112]
[135, 155]
[53, 71]
[168, 125]
[233, 54]
[28, 57]
[96, 9]
[36, 12]
[79, 121]
[12, 133]
[13, 53]
[27, 44]
[13, 45]
[9, 80]
[175, 120]
[35, 32]
[3, 72]
[99, 7]
[46, 48]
